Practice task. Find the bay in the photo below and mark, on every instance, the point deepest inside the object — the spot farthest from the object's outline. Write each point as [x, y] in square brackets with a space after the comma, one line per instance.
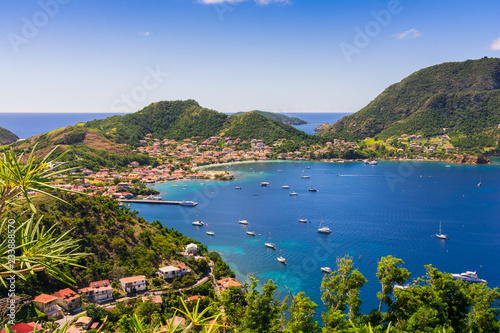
[393, 208]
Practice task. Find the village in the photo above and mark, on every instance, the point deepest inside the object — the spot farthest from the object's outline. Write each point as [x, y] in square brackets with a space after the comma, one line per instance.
[184, 160]
[66, 306]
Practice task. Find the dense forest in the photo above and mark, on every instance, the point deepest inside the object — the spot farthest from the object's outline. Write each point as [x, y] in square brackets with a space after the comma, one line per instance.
[461, 99]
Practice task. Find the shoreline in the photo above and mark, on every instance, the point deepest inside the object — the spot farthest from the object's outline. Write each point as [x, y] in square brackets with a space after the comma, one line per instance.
[345, 161]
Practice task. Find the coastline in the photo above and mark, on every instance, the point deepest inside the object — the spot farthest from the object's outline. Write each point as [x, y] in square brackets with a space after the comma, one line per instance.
[449, 161]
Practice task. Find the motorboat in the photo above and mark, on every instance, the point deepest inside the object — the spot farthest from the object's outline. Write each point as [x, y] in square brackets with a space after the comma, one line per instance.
[326, 269]
[265, 184]
[468, 276]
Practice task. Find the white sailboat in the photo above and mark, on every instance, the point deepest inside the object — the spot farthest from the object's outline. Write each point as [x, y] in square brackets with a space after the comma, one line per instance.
[312, 189]
[269, 244]
[322, 229]
[198, 223]
[302, 220]
[209, 231]
[440, 235]
[241, 221]
[281, 259]
[285, 186]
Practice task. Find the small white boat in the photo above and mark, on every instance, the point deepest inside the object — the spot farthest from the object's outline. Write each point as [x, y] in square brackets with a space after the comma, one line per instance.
[188, 203]
[154, 198]
[293, 194]
[237, 187]
[374, 162]
[251, 233]
[268, 243]
[281, 259]
[302, 220]
[440, 235]
[306, 176]
[198, 223]
[285, 187]
[280, 170]
[322, 229]
[326, 269]
[243, 222]
[210, 233]
[265, 184]
[308, 167]
[468, 276]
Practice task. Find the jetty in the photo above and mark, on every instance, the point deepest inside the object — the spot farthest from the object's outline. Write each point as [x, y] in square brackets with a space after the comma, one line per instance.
[161, 202]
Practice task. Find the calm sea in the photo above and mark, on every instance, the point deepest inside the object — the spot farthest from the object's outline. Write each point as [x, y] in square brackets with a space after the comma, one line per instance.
[25, 125]
[393, 208]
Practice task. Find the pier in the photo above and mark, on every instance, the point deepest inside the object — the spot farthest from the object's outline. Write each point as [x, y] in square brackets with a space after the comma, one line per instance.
[161, 202]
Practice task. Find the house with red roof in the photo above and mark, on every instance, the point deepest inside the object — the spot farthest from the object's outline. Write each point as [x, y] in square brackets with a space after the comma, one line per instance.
[228, 283]
[133, 284]
[48, 305]
[98, 291]
[67, 299]
[25, 328]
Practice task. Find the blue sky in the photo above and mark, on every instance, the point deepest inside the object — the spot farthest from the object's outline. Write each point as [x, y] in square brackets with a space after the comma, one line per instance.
[275, 55]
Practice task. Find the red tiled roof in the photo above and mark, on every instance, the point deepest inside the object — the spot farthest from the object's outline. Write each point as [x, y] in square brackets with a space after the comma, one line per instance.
[99, 284]
[44, 298]
[66, 294]
[133, 279]
[24, 328]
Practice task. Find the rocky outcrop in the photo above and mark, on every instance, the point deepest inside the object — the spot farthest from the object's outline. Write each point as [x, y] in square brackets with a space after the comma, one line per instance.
[464, 159]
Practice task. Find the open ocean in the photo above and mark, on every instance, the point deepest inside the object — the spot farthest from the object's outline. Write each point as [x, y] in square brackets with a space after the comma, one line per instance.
[393, 208]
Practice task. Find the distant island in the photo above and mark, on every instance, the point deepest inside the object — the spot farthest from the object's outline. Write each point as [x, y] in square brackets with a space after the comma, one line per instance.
[294, 121]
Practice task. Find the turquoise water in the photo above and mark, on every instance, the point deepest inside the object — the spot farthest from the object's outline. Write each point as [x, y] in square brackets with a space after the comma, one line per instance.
[373, 211]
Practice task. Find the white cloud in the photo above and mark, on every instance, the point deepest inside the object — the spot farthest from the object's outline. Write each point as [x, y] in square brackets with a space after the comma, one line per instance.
[495, 46]
[143, 33]
[260, 2]
[408, 34]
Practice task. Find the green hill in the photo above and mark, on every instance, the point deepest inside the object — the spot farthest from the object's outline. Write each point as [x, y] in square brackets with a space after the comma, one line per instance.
[7, 137]
[461, 97]
[183, 119]
[254, 125]
[278, 117]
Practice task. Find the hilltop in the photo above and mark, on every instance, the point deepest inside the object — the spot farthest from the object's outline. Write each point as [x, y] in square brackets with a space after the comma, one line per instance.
[7, 137]
[461, 99]
[179, 120]
[277, 116]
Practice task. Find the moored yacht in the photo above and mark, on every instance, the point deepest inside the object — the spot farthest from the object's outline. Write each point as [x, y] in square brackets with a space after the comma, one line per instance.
[265, 184]
[281, 259]
[440, 235]
[322, 229]
[188, 203]
[326, 269]
[468, 276]
[269, 244]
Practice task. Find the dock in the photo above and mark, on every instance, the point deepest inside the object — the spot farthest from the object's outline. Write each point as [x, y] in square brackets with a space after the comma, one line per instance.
[160, 202]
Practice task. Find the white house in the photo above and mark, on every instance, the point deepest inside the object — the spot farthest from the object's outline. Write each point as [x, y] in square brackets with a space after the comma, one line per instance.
[169, 272]
[133, 283]
[193, 248]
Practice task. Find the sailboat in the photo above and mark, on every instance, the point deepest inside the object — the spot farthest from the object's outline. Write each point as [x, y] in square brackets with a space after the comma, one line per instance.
[440, 235]
[285, 186]
[306, 176]
[269, 244]
[293, 193]
[302, 220]
[198, 223]
[210, 232]
[312, 189]
[322, 229]
[250, 233]
[480, 183]
[241, 221]
[280, 258]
